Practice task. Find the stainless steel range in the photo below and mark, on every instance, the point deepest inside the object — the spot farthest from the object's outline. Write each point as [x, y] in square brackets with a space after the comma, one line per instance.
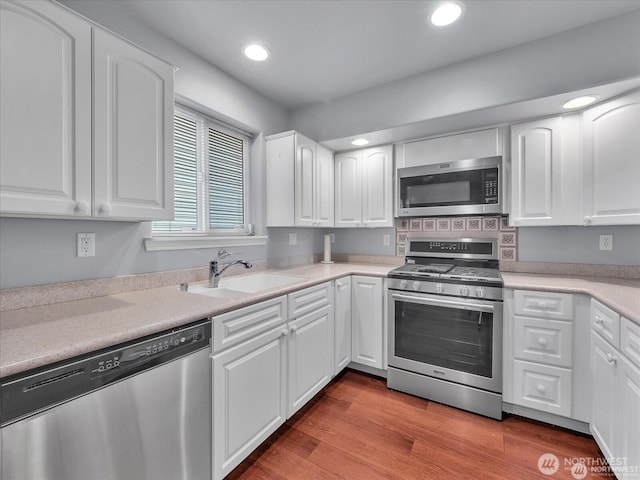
[445, 324]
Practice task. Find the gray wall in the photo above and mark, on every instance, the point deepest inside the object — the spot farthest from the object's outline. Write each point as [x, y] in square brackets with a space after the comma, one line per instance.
[35, 251]
[579, 245]
[596, 54]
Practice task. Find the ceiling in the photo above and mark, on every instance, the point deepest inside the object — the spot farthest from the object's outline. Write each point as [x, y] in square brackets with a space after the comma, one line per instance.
[325, 49]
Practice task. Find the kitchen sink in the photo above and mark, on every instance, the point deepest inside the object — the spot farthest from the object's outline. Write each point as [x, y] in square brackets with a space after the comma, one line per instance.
[220, 292]
[259, 281]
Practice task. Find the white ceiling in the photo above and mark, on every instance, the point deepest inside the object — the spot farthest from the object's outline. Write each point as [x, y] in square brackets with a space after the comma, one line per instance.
[324, 49]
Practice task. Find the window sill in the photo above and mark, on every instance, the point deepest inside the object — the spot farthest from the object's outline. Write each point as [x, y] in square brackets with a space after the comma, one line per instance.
[156, 244]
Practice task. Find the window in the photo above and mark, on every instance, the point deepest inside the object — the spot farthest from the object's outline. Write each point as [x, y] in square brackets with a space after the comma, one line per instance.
[210, 175]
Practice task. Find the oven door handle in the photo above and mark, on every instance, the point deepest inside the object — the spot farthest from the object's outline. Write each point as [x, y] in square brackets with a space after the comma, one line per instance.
[438, 302]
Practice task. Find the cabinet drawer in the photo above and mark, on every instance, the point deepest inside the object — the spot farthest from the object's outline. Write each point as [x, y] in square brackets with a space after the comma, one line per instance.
[546, 341]
[234, 327]
[542, 387]
[606, 322]
[558, 306]
[310, 299]
[630, 340]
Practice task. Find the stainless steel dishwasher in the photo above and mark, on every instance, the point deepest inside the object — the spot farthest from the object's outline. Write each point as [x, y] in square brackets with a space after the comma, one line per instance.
[137, 411]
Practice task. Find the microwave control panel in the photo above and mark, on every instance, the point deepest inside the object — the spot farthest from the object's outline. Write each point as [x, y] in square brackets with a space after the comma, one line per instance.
[491, 186]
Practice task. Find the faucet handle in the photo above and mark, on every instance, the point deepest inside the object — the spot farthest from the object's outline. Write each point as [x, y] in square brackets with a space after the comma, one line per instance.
[222, 253]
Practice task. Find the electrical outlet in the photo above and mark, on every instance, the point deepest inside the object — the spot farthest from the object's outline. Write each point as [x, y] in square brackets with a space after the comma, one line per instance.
[86, 245]
[606, 242]
[386, 239]
[293, 239]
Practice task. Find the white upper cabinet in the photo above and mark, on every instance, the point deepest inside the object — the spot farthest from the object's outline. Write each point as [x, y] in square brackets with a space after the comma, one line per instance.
[133, 139]
[459, 146]
[536, 158]
[364, 188]
[299, 182]
[45, 119]
[63, 155]
[545, 173]
[611, 149]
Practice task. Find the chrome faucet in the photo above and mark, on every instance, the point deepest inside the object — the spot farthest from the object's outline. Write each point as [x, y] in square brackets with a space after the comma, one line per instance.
[215, 274]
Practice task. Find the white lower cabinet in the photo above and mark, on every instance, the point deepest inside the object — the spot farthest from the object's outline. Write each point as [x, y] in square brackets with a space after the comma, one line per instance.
[615, 392]
[367, 330]
[249, 398]
[269, 359]
[309, 357]
[342, 329]
[546, 356]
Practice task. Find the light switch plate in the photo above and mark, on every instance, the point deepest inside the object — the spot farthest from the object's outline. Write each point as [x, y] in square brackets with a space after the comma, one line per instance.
[606, 242]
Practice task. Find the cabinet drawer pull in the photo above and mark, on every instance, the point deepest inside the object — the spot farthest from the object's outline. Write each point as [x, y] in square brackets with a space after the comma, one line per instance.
[541, 389]
[542, 342]
[599, 321]
[611, 359]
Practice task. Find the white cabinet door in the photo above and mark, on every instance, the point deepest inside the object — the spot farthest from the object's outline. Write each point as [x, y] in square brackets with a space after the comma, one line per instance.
[364, 188]
[377, 187]
[342, 344]
[367, 345]
[310, 356]
[536, 173]
[133, 141]
[249, 397]
[612, 162]
[324, 187]
[45, 118]
[348, 185]
[604, 385]
[628, 446]
[305, 181]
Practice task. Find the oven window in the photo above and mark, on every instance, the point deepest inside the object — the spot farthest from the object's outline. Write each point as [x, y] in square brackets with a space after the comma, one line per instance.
[459, 340]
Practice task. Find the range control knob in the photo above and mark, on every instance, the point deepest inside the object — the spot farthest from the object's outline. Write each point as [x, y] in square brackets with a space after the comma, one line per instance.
[464, 291]
[439, 288]
[417, 285]
[480, 293]
[403, 284]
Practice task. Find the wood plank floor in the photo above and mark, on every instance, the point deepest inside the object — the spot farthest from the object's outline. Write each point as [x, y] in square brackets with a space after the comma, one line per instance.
[356, 429]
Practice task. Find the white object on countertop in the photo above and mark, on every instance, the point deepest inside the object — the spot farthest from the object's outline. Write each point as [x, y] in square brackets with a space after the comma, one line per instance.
[327, 249]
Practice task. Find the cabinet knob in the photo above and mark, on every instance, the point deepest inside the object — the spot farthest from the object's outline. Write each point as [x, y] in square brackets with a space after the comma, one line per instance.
[587, 220]
[82, 207]
[542, 342]
[105, 209]
[293, 329]
[611, 359]
[541, 389]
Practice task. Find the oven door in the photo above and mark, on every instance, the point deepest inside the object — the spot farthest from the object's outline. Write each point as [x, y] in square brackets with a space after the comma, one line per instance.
[449, 338]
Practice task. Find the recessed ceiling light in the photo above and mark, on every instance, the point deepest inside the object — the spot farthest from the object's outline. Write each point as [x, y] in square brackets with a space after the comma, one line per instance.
[358, 142]
[446, 14]
[580, 102]
[256, 52]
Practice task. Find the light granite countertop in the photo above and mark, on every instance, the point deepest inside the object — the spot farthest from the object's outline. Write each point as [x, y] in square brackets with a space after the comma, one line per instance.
[621, 295]
[37, 336]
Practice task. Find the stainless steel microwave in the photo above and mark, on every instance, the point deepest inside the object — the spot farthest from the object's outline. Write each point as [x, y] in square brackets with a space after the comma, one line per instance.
[463, 187]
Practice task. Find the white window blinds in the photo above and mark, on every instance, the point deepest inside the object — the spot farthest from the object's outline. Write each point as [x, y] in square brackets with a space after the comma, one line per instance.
[210, 171]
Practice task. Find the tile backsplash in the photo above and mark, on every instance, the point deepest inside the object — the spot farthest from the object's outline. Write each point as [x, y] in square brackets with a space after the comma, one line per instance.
[460, 227]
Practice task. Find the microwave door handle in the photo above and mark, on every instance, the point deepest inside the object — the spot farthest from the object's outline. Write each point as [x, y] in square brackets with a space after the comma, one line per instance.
[437, 302]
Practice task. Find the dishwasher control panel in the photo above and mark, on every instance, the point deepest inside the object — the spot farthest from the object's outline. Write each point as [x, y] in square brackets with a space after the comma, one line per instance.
[146, 351]
[34, 391]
